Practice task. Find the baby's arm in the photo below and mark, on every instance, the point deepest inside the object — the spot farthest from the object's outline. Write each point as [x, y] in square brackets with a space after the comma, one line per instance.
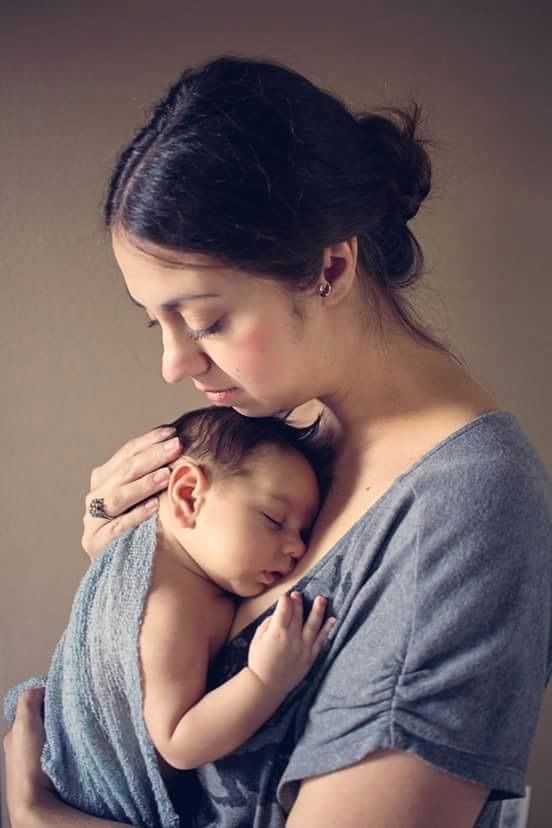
[189, 728]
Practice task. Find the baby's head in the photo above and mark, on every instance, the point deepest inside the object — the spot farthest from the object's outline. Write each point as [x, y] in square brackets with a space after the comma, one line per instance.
[243, 497]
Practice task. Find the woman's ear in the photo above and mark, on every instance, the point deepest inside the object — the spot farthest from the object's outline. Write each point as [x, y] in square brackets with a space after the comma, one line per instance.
[186, 491]
[339, 268]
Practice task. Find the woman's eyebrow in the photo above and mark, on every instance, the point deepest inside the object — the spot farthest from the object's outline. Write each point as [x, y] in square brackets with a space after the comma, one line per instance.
[178, 300]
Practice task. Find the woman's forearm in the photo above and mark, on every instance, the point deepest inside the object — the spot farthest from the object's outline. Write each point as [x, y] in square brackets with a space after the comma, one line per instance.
[52, 813]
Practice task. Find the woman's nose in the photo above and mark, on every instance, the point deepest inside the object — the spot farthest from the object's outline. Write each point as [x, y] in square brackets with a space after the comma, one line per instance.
[182, 358]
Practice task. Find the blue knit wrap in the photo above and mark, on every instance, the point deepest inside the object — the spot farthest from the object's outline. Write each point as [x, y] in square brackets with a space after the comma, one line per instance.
[98, 752]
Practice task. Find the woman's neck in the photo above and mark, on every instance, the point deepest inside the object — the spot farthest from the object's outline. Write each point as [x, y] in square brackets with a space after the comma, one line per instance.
[396, 384]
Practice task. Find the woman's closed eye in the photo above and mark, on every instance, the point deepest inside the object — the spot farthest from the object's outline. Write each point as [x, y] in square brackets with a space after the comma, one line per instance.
[193, 334]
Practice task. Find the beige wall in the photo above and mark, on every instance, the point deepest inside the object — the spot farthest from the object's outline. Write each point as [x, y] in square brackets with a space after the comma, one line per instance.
[80, 372]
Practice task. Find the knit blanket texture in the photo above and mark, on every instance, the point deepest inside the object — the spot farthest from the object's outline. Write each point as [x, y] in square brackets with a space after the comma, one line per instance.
[98, 752]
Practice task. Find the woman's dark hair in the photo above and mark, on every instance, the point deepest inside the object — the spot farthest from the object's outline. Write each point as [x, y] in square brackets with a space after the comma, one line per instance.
[249, 162]
[221, 439]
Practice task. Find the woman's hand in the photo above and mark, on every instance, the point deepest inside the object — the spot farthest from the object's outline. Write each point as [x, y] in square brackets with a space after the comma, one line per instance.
[127, 484]
[26, 785]
[284, 649]
[30, 796]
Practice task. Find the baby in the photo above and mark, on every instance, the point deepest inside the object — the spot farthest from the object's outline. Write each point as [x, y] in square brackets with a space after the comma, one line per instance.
[126, 691]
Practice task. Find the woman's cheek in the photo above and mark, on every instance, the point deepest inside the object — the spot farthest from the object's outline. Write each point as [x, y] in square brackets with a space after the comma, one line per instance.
[254, 355]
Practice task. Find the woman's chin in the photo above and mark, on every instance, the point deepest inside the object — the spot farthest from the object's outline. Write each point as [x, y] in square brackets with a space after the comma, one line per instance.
[259, 409]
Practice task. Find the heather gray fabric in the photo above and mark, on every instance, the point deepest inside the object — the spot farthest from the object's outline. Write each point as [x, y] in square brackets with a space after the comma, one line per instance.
[443, 598]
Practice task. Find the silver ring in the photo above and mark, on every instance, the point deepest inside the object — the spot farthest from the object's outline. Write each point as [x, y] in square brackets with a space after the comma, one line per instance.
[96, 509]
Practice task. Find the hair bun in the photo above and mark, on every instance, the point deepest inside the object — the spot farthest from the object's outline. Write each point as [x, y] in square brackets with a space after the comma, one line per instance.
[398, 155]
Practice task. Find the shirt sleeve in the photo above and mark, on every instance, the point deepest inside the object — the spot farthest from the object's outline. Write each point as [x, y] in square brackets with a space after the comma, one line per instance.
[470, 691]
[450, 663]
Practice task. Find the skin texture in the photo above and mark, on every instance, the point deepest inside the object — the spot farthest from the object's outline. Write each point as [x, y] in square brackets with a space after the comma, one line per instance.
[215, 537]
[258, 334]
[391, 398]
[233, 531]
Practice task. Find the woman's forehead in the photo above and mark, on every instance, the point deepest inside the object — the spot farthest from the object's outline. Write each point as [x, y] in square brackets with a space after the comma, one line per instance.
[148, 254]
[155, 281]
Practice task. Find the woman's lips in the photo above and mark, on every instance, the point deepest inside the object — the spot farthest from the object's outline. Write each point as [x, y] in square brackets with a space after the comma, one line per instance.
[221, 396]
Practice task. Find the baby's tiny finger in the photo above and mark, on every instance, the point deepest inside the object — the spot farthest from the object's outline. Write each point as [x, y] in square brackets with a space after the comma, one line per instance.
[315, 618]
[284, 612]
[323, 636]
[296, 622]
[262, 628]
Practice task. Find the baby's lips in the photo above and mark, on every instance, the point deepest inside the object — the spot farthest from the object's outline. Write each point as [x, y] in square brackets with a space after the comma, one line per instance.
[269, 577]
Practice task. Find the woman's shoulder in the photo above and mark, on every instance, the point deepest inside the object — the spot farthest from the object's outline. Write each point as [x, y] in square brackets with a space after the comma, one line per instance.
[475, 510]
[485, 476]
[495, 437]
[487, 468]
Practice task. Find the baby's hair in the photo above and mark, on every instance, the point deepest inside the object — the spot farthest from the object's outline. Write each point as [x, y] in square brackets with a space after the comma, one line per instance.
[221, 439]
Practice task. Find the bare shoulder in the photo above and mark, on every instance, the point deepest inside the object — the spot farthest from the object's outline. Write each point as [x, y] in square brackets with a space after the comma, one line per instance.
[180, 607]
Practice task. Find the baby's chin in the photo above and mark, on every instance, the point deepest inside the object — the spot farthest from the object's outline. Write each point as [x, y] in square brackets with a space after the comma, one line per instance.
[251, 592]
[244, 591]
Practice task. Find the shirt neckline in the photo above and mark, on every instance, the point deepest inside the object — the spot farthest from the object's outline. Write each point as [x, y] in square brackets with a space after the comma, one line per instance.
[499, 414]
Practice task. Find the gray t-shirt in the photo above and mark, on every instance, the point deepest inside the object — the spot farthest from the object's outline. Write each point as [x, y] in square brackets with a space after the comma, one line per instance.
[443, 594]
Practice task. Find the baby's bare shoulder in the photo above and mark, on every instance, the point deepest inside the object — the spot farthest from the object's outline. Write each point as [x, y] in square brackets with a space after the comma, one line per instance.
[182, 606]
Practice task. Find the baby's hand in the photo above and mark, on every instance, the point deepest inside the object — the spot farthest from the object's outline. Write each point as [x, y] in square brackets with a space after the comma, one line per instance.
[284, 649]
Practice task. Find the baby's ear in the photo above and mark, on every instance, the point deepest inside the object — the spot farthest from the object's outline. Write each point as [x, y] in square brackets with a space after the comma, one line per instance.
[186, 491]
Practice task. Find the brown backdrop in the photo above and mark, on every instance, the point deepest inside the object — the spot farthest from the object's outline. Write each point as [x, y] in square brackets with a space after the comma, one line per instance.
[79, 371]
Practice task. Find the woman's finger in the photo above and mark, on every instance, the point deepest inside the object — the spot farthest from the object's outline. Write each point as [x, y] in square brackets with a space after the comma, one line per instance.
[29, 708]
[25, 779]
[125, 496]
[135, 446]
[108, 531]
[138, 465]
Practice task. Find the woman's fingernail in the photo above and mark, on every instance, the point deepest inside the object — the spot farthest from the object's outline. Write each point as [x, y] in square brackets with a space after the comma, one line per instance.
[171, 445]
[161, 476]
[167, 432]
[151, 505]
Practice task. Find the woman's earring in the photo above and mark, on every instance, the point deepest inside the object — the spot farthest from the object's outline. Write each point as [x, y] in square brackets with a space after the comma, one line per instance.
[325, 290]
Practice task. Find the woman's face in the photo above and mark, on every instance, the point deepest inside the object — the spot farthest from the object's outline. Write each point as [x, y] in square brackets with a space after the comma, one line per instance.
[224, 329]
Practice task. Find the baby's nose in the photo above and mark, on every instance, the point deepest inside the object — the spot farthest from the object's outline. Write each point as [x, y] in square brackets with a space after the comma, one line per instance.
[294, 547]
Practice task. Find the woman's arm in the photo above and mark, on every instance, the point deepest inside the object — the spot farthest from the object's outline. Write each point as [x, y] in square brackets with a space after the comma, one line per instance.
[32, 802]
[53, 813]
[389, 788]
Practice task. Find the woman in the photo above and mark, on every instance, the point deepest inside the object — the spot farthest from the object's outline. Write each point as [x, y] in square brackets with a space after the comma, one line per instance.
[264, 229]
